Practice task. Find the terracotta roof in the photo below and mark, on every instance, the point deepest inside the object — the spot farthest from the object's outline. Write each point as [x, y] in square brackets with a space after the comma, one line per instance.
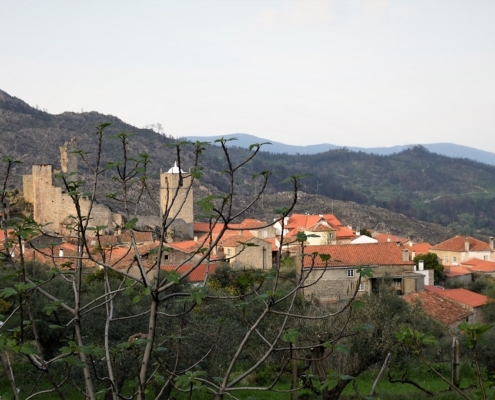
[2, 233]
[197, 275]
[273, 242]
[344, 231]
[316, 223]
[235, 240]
[457, 243]
[431, 288]
[140, 237]
[345, 255]
[188, 246]
[465, 296]
[439, 307]
[475, 264]
[386, 237]
[307, 220]
[204, 227]
[452, 271]
[251, 224]
[419, 248]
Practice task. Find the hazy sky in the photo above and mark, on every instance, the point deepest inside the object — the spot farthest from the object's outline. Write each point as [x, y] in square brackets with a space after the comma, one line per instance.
[347, 72]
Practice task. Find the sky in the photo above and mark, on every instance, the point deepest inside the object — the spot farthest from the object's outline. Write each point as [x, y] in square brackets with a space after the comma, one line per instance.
[364, 73]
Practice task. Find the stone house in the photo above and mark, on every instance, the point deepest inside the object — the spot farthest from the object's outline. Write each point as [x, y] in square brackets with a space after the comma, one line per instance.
[471, 301]
[440, 308]
[337, 278]
[243, 251]
[462, 248]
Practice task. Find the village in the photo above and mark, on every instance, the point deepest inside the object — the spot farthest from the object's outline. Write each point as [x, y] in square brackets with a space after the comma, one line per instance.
[260, 245]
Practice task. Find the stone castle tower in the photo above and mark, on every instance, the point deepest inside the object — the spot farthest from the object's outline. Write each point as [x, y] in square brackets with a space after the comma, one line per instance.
[176, 198]
[68, 160]
[53, 207]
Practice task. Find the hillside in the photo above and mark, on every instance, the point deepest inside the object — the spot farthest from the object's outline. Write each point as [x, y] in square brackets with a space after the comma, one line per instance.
[415, 183]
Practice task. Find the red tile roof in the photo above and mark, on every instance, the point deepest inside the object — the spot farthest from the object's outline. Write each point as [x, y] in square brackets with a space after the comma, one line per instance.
[419, 248]
[431, 288]
[188, 246]
[476, 264]
[438, 307]
[311, 222]
[235, 240]
[457, 243]
[251, 224]
[452, 271]
[204, 227]
[465, 296]
[345, 255]
[198, 274]
[273, 242]
[386, 238]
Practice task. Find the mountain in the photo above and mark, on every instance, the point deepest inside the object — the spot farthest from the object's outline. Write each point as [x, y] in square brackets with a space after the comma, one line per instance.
[446, 149]
[404, 188]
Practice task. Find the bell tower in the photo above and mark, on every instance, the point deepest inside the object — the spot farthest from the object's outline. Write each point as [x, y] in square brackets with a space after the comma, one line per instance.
[176, 196]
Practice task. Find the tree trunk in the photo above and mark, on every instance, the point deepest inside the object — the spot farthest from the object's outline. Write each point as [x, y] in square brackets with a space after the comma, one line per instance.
[335, 392]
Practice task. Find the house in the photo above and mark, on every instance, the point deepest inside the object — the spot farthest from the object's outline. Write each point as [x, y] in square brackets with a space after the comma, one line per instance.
[248, 244]
[387, 237]
[440, 308]
[471, 301]
[337, 278]
[456, 274]
[418, 248]
[480, 267]
[245, 251]
[462, 248]
[321, 229]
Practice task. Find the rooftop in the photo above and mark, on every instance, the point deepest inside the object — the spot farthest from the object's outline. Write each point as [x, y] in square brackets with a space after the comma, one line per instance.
[458, 243]
[346, 255]
[439, 307]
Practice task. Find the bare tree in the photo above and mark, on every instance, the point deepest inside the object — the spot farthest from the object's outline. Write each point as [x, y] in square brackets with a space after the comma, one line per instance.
[166, 354]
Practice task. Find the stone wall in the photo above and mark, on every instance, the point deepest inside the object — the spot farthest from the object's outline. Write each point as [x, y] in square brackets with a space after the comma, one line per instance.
[259, 256]
[54, 208]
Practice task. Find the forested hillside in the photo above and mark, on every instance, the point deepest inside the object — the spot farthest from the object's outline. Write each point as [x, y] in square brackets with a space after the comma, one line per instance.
[453, 192]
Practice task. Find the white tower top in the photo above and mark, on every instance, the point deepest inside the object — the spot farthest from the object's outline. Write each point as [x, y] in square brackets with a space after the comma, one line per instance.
[175, 169]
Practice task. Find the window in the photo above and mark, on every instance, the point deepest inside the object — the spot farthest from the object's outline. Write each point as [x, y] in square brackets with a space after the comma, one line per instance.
[397, 282]
[229, 252]
[485, 258]
[446, 259]
[362, 287]
[331, 236]
[165, 257]
[350, 273]
[454, 259]
[265, 233]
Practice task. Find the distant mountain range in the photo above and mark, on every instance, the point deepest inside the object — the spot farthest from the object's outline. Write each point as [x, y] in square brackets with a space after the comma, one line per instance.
[446, 149]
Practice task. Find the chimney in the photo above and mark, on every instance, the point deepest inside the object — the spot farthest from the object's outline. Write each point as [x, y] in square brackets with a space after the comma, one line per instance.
[195, 239]
[397, 243]
[421, 265]
[466, 244]
[61, 253]
[388, 239]
[405, 255]
[491, 243]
